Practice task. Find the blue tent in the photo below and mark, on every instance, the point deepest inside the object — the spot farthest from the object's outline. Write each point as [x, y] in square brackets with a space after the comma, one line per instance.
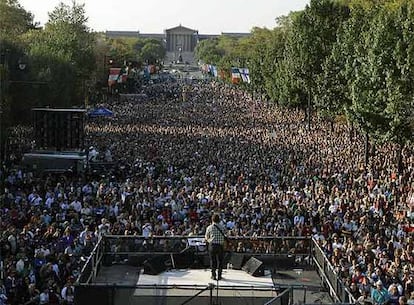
[100, 112]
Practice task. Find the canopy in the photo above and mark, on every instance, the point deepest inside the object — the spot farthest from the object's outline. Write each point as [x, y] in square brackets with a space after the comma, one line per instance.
[100, 112]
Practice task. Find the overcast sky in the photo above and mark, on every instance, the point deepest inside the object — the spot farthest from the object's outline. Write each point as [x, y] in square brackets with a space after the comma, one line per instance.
[154, 16]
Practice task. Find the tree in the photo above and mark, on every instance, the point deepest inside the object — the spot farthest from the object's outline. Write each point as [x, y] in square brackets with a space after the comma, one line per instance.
[152, 51]
[309, 42]
[382, 92]
[209, 51]
[333, 94]
[63, 54]
[121, 50]
[257, 50]
[14, 20]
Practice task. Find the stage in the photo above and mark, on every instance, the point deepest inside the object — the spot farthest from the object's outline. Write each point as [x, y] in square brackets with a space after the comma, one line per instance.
[194, 286]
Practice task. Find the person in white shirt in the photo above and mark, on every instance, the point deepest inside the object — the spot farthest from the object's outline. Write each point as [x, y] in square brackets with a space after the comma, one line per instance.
[93, 154]
[76, 205]
[336, 243]
[67, 294]
[44, 297]
[83, 235]
[49, 201]
[104, 227]
[20, 266]
[147, 230]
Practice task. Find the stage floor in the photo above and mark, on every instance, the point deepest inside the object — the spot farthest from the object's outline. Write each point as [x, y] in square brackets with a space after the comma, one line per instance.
[189, 281]
[179, 285]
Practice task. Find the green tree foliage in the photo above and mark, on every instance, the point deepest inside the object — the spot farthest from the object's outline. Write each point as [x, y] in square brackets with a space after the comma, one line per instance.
[121, 50]
[209, 51]
[142, 50]
[152, 51]
[257, 53]
[63, 54]
[382, 92]
[14, 20]
[274, 74]
[333, 94]
[308, 44]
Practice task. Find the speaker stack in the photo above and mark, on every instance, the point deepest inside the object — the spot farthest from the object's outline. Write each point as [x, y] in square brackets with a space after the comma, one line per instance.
[58, 129]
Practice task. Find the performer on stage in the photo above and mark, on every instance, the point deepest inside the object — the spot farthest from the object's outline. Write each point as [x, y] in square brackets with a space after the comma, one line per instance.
[215, 237]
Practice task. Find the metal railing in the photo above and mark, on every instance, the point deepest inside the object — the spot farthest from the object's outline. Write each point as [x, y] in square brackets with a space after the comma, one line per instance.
[90, 270]
[115, 244]
[337, 288]
[125, 247]
[284, 298]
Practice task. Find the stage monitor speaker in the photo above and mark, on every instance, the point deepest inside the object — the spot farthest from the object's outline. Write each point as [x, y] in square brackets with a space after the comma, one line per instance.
[155, 265]
[254, 267]
[237, 260]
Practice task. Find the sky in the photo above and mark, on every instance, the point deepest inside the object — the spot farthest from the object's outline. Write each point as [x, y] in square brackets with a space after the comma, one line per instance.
[154, 16]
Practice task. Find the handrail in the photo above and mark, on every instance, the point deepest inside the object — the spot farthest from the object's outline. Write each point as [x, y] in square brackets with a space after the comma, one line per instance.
[280, 296]
[90, 261]
[262, 244]
[342, 293]
[210, 287]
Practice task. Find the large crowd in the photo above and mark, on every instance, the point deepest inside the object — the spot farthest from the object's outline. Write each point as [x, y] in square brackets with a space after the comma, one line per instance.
[176, 160]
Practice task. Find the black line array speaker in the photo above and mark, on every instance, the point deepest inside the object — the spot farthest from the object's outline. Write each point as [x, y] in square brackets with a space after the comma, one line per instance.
[155, 265]
[254, 267]
[58, 129]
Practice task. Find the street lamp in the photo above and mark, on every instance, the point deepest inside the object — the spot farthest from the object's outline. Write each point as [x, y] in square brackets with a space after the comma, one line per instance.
[22, 64]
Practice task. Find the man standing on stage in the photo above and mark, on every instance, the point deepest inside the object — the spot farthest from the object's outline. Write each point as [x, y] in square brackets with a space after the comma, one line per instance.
[215, 237]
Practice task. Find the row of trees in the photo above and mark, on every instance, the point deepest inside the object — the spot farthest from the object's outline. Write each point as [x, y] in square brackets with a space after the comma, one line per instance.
[350, 58]
[58, 64]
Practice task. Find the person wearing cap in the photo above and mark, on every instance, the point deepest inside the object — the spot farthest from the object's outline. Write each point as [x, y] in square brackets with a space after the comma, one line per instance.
[379, 294]
[215, 237]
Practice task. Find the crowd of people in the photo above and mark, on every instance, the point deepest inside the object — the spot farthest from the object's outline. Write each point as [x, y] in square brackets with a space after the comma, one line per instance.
[175, 161]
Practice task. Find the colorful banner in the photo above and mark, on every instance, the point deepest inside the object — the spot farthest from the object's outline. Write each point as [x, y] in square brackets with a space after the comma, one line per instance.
[113, 77]
[214, 71]
[235, 75]
[244, 73]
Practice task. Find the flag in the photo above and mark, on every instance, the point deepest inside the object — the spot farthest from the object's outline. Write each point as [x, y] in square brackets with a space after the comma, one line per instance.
[235, 75]
[244, 72]
[113, 77]
[214, 71]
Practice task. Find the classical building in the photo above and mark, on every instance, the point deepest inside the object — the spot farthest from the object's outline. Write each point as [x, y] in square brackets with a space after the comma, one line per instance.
[179, 41]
